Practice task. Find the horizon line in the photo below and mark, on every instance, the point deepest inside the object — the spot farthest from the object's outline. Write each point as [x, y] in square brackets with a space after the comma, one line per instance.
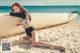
[43, 5]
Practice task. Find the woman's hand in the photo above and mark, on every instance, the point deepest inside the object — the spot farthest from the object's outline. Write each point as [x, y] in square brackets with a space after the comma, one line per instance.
[18, 24]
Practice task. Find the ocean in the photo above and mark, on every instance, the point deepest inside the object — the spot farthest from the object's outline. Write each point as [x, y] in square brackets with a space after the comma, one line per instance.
[44, 9]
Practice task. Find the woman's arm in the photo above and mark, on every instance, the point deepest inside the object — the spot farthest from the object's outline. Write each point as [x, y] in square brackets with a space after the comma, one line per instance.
[14, 14]
[28, 15]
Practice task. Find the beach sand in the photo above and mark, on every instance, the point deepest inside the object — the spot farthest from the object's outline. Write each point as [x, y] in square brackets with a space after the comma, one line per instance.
[67, 35]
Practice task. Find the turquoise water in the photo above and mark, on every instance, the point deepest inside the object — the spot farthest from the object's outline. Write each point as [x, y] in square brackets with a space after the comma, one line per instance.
[44, 9]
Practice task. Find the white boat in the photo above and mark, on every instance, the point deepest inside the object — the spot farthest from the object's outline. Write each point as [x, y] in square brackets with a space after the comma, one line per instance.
[39, 20]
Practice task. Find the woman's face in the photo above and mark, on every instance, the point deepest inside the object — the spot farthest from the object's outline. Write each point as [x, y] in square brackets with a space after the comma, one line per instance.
[16, 9]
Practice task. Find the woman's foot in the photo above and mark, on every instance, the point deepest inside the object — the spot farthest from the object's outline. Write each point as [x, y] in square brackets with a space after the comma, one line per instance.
[58, 47]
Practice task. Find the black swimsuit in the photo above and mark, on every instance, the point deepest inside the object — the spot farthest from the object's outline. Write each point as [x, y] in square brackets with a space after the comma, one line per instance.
[23, 15]
[29, 30]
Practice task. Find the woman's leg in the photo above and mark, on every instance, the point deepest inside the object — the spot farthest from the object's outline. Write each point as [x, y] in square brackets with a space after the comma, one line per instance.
[25, 40]
[35, 43]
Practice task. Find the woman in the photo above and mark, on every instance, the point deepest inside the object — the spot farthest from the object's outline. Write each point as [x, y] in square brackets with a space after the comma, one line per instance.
[32, 34]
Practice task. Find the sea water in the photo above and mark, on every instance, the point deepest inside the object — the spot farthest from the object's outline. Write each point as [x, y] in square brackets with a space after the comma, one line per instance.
[44, 9]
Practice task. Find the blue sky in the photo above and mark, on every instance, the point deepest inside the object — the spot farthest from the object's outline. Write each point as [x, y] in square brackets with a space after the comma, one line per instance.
[39, 2]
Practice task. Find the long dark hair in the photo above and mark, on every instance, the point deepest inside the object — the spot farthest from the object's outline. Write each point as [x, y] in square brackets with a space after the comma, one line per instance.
[22, 9]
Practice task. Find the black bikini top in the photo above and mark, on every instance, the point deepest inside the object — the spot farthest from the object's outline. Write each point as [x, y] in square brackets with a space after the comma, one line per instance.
[20, 14]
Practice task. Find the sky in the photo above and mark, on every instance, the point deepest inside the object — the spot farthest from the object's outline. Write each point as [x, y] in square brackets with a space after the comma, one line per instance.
[40, 2]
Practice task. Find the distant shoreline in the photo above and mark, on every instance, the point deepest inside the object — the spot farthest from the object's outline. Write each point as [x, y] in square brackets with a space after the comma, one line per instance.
[46, 5]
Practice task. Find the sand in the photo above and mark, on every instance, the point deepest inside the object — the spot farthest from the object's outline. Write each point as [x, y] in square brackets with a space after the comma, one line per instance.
[67, 35]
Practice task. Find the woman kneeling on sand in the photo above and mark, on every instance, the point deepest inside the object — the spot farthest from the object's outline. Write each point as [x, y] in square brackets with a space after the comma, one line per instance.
[32, 34]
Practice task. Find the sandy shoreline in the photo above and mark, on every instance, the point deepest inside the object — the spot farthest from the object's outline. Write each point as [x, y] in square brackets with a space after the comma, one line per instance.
[67, 35]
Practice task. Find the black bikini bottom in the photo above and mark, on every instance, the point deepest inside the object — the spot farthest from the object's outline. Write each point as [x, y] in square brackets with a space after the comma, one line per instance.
[29, 30]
